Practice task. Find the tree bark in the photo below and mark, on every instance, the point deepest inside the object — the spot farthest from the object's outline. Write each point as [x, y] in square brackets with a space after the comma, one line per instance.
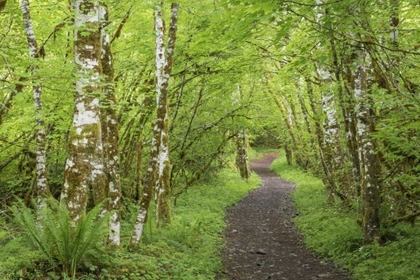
[242, 161]
[370, 168]
[158, 171]
[84, 167]
[331, 146]
[41, 185]
[109, 124]
[163, 209]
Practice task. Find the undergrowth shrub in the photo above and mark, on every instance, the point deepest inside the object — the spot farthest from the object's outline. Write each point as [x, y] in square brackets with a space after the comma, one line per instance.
[57, 245]
[332, 231]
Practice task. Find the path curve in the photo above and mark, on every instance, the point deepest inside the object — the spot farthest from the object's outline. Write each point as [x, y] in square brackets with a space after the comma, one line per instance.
[261, 241]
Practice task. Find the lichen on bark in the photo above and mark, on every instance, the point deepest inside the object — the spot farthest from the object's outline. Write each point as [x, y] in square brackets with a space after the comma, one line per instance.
[84, 168]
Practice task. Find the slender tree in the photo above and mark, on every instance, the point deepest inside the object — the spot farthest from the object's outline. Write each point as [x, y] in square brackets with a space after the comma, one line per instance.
[331, 146]
[158, 171]
[41, 187]
[369, 162]
[163, 73]
[109, 126]
[242, 162]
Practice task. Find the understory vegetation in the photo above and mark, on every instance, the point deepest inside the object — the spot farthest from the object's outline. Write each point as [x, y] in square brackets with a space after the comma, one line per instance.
[188, 248]
[332, 230]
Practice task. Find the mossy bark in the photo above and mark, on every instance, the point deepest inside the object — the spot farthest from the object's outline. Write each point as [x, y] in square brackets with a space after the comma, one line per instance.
[84, 166]
[331, 149]
[370, 168]
[163, 188]
[158, 171]
[148, 188]
[41, 184]
[110, 134]
[327, 178]
[242, 162]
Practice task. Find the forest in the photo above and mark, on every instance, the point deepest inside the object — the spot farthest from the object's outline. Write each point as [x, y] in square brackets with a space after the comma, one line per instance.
[117, 117]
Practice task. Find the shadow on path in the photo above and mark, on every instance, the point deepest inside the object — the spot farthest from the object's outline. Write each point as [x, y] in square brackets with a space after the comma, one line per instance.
[261, 241]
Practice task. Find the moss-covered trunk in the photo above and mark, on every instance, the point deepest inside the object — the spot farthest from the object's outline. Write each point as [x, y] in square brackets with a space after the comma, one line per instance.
[84, 167]
[41, 186]
[110, 135]
[370, 168]
[242, 162]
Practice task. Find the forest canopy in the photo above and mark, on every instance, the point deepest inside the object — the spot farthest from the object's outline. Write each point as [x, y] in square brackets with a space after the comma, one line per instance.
[130, 103]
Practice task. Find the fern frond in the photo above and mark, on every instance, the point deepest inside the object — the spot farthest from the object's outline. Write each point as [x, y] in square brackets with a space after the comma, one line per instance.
[90, 231]
[50, 230]
[29, 224]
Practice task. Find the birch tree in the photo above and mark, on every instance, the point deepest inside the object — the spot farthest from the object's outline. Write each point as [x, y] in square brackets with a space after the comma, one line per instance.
[41, 187]
[158, 171]
[84, 167]
[164, 62]
[109, 127]
[369, 163]
[331, 146]
[242, 162]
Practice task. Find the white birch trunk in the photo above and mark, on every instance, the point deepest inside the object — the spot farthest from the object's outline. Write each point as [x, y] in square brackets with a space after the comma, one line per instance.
[163, 209]
[41, 156]
[84, 166]
[331, 146]
[109, 123]
[158, 171]
[370, 190]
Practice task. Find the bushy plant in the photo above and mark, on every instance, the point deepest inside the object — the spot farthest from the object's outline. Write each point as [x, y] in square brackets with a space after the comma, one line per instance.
[50, 230]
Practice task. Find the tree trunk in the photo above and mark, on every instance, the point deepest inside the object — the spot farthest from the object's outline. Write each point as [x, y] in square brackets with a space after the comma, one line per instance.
[347, 109]
[84, 167]
[331, 146]
[109, 123]
[369, 163]
[327, 177]
[242, 161]
[41, 186]
[158, 171]
[163, 209]
[288, 122]
[313, 147]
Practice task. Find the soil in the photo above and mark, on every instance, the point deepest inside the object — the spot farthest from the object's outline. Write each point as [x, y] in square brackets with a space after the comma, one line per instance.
[261, 240]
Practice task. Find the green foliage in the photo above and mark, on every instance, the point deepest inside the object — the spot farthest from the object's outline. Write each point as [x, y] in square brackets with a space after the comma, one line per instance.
[64, 246]
[332, 231]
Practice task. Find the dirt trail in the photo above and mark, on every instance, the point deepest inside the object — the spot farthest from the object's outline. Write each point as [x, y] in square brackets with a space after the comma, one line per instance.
[261, 240]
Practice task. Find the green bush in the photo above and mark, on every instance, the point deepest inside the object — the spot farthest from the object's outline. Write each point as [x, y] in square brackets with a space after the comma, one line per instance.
[51, 234]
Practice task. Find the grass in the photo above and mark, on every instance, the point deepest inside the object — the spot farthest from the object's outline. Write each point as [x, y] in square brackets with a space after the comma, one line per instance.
[188, 248]
[194, 239]
[332, 231]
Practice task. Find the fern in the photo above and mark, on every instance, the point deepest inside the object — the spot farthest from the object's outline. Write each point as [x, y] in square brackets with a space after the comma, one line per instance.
[51, 232]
